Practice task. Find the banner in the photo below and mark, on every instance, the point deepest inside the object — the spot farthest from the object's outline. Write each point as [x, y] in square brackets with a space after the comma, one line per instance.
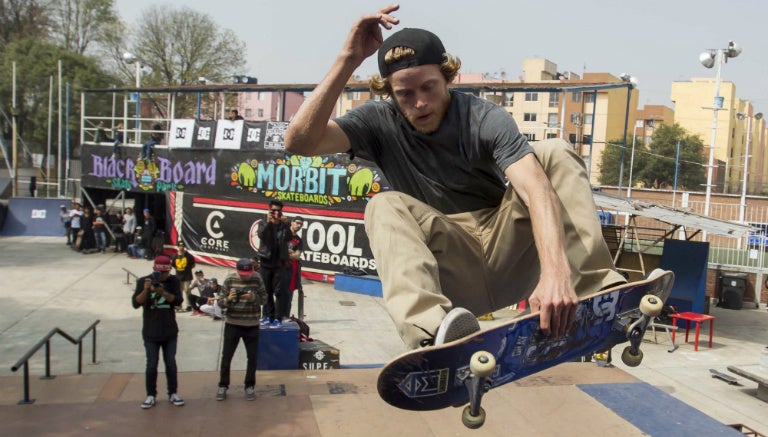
[181, 133]
[222, 227]
[222, 193]
[228, 134]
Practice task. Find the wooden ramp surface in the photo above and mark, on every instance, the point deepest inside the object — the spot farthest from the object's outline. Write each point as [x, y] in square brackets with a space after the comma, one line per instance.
[327, 403]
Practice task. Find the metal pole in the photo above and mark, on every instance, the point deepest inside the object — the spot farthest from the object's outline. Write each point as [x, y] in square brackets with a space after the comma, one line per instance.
[138, 101]
[624, 142]
[58, 134]
[66, 139]
[48, 149]
[677, 168]
[15, 136]
[631, 163]
[718, 104]
[743, 204]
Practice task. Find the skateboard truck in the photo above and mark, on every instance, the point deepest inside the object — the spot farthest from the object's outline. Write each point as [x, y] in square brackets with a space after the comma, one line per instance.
[650, 306]
[478, 382]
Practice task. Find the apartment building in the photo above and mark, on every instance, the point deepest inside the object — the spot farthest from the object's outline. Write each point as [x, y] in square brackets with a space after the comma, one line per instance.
[738, 127]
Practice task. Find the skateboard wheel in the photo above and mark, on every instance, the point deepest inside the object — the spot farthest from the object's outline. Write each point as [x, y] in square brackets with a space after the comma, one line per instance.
[470, 421]
[630, 359]
[482, 363]
[651, 305]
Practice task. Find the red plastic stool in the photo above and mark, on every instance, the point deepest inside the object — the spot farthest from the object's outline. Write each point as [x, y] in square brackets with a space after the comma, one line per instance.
[696, 318]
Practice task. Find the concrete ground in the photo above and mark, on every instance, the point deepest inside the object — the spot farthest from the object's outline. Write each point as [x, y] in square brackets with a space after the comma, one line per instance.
[46, 285]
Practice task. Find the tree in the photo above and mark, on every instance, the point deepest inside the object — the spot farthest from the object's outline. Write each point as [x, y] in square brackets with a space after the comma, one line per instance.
[181, 45]
[610, 162]
[22, 18]
[662, 163]
[36, 61]
[78, 23]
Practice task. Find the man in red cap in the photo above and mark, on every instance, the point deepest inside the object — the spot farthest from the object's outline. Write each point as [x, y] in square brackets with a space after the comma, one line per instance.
[242, 296]
[158, 294]
[477, 218]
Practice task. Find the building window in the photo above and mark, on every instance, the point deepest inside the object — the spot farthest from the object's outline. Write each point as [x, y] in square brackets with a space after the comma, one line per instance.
[576, 96]
[551, 135]
[531, 137]
[586, 139]
[589, 98]
[261, 96]
[529, 116]
[587, 118]
[576, 118]
[552, 120]
[554, 100]
[572, 138]
[509, 99]
[248, 112]
[531, 96]
[260, 112]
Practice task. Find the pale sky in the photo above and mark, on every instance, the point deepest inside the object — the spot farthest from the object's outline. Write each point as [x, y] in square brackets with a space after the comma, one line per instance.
[295, 41]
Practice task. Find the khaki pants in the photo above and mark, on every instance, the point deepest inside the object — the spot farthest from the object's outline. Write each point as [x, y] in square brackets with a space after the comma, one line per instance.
[483, 260]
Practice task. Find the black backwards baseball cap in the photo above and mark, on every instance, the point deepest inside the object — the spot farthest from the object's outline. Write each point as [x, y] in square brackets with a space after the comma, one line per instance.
[427, 46]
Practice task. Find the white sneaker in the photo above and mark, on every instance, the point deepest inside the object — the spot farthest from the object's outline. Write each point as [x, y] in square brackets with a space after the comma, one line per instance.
[221, 393]
[149, 402]
[176, 400]
[250, 393]
[458, 323]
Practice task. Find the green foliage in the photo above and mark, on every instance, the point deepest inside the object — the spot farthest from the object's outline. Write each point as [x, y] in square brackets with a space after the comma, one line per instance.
[76, 24]
[36, 61]
[654, 166]
[660, 170]
[610, 161]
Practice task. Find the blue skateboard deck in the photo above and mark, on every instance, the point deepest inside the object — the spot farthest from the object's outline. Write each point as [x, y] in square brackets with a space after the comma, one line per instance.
[434, 377]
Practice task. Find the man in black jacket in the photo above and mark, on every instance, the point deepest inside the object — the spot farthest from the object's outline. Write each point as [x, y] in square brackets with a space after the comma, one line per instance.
[273, 253]
[148, 232]
[157, 295]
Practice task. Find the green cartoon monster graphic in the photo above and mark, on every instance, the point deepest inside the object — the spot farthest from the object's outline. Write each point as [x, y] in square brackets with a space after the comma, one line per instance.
[246, 175]
[361, 182]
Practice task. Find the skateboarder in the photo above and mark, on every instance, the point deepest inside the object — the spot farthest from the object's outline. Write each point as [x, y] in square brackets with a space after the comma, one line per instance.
[452, 234]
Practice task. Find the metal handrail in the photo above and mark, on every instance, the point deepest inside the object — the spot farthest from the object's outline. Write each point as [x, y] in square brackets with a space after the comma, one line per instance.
[128, 275]
[46, 341]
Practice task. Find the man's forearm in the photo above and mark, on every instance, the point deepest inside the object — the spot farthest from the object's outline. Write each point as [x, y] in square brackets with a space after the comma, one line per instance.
[308, 125]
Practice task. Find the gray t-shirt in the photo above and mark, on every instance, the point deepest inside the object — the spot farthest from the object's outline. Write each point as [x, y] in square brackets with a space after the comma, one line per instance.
[457, 168]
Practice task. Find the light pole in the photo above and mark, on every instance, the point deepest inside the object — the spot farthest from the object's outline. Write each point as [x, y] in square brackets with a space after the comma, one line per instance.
[709, 59]
[631, 82]
[743, 204]
[131, 59]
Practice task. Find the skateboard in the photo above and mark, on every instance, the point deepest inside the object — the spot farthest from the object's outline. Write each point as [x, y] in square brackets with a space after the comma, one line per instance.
[462, 371]
[727, 378]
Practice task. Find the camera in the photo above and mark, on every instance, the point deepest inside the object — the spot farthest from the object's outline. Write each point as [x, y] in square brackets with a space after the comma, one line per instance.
[155, 277]
[241, 291]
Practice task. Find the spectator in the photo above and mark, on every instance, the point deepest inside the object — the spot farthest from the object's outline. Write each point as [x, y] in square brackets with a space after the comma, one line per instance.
[157, 294]
[292, 273]
[100, 136]
[148, 232]
[243, 293]
[147, 149]
[129, 225]
[87, 238]
[116, 224]
[67, 222]
[75, 219]
[208, 291]
[184, 262]
[117, 140]
[136, 249]
[235, 115]
[100, 230]
[273, 254]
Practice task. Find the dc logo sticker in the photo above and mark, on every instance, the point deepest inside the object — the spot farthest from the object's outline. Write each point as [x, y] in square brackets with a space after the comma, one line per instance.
[604, 306]
[253, 135]
[229, 134]
[204, 134]
[181, 133]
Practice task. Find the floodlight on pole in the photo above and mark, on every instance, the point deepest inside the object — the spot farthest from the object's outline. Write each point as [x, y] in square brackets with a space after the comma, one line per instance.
[131, 59]
[631, 82]
[716, 58]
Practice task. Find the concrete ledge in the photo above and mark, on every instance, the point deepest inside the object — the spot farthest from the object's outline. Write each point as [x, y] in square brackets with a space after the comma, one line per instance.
[367, 284]
[755, 373]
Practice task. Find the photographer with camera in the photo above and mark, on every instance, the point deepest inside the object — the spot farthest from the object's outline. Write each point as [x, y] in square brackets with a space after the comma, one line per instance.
[242, 296]
[274, 234]
[157, 295]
